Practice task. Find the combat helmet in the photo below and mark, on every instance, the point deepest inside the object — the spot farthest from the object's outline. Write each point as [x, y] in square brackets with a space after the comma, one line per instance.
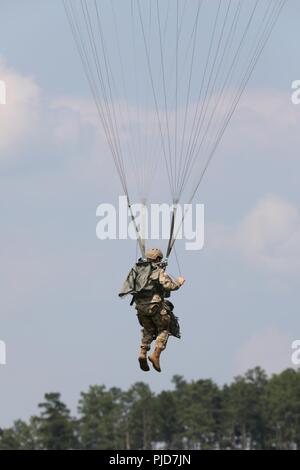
[153, 254]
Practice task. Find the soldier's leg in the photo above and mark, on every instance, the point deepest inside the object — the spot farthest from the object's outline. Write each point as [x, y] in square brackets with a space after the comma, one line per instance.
[162, 323]
[148, 334]
[162, 340]
[148, 331]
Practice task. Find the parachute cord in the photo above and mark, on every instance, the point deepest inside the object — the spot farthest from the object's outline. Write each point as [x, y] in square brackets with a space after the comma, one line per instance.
[139, 239]
[154, 95]
[206, 115]
[177, 261]
[162, 62]
[136, 250]
[269, 26]
[170, 243]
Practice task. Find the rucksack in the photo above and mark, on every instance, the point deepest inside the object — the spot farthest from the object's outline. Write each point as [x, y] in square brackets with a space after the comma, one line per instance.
[137, 279]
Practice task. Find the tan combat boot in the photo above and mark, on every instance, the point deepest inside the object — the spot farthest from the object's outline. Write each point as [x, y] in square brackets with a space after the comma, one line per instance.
[143, 359]
[154, 358]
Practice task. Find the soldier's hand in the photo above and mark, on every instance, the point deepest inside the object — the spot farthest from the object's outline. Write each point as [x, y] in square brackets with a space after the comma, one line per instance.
[181, 280]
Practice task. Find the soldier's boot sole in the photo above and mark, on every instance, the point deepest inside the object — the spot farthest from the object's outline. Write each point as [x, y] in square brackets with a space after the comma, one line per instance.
[144, 364]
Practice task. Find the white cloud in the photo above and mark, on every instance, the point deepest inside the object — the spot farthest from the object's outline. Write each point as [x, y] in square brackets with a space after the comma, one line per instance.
[70, 117]
[266, 121]
[267, 238]
[271, 349]
[70, 126]
[19, 116]
[30, 118]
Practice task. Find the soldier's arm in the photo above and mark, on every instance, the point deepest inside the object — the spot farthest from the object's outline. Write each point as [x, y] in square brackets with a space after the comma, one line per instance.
[168, 283]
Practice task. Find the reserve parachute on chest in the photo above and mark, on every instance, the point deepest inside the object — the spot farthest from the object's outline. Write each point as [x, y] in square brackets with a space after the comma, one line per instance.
[166, 77]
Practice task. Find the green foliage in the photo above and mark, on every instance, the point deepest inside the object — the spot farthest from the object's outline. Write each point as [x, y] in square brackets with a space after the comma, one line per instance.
[20, 436]
[169, 429]
[55, 429]
[282, 410]
[141, 416]
[253, 412]
[101, 422]
[243, 402]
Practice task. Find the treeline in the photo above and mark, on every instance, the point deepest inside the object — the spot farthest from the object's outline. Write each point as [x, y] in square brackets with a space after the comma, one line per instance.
[253, 412]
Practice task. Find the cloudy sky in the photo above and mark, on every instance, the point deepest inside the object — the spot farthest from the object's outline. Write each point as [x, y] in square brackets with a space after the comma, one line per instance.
[60, 317]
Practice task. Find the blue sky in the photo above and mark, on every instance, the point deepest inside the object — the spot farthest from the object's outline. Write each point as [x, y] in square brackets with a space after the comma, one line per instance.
[60, 316]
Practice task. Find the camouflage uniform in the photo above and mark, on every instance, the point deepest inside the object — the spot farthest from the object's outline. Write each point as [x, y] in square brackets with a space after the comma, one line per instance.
[153, 312]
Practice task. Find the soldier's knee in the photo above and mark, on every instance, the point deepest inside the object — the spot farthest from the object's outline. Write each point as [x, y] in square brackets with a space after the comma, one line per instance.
[161, 345]
[162, 340]
[147, 336]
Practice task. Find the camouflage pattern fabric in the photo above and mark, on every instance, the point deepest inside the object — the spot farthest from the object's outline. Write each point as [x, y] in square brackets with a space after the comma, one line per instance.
[155, 320]
[155, 314]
